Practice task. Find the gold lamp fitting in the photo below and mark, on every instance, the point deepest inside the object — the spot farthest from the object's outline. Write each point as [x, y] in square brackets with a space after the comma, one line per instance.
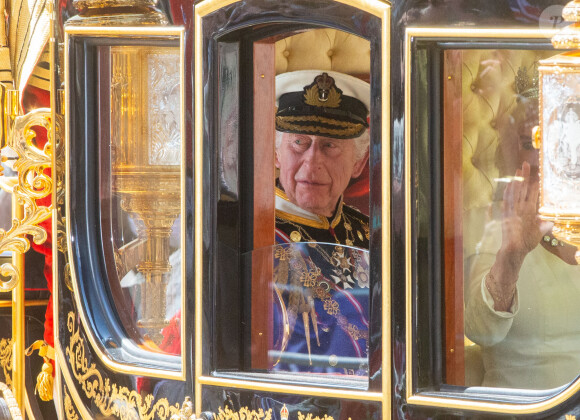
[569, 37]
[559, 98]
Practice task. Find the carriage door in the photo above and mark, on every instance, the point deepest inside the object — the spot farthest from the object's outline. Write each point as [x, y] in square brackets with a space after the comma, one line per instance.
[287, 324]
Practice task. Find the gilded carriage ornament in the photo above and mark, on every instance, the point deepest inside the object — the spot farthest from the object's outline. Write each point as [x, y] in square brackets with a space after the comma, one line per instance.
[186, 412]
[557, 137]
[243, 414]
[284, 413]
[6, 359]
[33, 183]
[111, 399]
[311, 417]
[69, 409]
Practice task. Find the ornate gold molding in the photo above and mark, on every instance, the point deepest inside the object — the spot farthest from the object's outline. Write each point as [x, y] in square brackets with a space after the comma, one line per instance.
[6, 359]
[69, 409]
[310, 417]
[244, 414]
[186, 412]
[111, 399]
[33, 183]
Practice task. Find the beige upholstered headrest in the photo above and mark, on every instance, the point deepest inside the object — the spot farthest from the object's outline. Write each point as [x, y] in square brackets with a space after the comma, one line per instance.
[324, 49]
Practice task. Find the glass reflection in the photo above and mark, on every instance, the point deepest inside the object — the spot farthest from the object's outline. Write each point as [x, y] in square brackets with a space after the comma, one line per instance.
[319, 316]
[521, 288]
[145, 188]
[562, 152]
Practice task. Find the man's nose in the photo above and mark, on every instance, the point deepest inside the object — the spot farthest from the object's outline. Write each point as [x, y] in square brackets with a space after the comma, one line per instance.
[313, 154]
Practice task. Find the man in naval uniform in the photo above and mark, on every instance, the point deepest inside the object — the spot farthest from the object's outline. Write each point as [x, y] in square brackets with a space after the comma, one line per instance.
[321, 261]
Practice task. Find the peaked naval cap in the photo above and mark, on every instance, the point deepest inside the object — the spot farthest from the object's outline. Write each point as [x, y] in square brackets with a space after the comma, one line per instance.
[322, 103]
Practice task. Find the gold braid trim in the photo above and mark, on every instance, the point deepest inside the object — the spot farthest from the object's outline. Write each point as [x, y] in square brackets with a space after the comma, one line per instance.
[323, 223]
[350, 129]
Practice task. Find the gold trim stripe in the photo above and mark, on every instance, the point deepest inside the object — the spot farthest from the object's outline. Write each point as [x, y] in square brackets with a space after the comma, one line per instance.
[36, 302]
[345, 394]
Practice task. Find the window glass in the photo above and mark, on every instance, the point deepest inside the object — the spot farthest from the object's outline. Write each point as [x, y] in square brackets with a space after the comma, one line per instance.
[306, 266]
[141, 190]
[510, 288]
[319, 317]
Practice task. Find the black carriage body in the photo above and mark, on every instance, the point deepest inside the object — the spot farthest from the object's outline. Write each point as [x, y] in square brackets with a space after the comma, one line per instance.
[417, 349]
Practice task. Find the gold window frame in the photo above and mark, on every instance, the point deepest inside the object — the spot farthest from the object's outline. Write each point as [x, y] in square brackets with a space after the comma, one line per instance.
[441, 400]
[381, 9]
[120, 367]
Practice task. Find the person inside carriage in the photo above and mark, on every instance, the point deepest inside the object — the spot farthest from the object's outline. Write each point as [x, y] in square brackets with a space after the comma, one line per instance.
[522, 290]
[321, 258]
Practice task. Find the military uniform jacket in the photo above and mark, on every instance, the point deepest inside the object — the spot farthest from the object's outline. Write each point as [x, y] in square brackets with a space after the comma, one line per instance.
[321, 290]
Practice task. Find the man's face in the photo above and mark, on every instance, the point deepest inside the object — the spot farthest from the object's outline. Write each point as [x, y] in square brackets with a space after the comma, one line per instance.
[315, 171]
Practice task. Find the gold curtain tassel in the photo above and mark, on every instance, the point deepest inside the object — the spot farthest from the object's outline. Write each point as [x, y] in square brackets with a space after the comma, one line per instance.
[44, 350]
[44, 382]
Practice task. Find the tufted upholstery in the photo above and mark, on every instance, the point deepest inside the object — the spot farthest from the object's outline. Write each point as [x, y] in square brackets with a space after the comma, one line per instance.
[489, 104]
[324, 49]
[489, 101]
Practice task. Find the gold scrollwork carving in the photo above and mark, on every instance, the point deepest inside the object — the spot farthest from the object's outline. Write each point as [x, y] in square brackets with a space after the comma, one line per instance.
[15, 238]
[6, 359]
[310, 417]
[33, 183]
[69, 409]
[8, 270]
[110, 398]
[244, 414]
[186, 412]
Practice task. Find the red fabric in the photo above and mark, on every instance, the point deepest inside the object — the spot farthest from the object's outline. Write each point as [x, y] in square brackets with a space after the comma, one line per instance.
[171, 344]
[172, 336]
[33, 98]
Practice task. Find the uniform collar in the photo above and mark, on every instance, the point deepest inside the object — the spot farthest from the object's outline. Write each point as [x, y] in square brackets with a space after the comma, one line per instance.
[290, 211]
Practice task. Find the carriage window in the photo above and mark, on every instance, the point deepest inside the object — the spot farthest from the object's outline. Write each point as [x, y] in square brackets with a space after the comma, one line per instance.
[141, 190]
[510, 288]
[306, 266]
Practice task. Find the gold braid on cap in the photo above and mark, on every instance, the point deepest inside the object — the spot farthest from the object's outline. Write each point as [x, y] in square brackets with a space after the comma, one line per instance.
[526, 86]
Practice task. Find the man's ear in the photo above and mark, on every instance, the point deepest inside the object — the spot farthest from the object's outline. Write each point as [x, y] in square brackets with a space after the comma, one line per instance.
[276, 160]
[359, 165]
